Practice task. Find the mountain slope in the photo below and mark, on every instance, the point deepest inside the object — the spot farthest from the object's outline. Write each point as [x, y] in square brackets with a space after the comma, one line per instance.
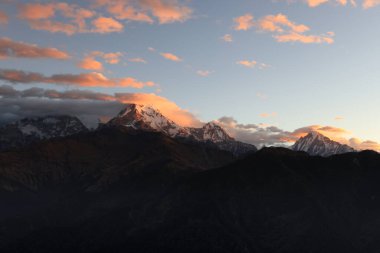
[29, 130]
[275, 200]
[317, 144]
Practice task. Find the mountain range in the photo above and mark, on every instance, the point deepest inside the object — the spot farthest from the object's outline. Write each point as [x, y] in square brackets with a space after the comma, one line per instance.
[149, 119]
[141, 183]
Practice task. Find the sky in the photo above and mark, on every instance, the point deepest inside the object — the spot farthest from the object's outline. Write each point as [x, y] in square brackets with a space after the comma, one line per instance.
[267, 71]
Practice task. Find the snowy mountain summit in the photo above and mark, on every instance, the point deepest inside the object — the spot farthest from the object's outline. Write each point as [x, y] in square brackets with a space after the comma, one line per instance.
[147, 118]
[29, 130]
[317, 144]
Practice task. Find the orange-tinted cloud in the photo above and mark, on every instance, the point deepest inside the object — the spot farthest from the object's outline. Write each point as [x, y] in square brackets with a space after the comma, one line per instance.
[15, 49]
[110, 58]
[358, 144]
[366, 4]
[72, 19]
[35, 11]
[307, 39]
[268, 115]
[279, 23]
[283, 29]
[83, 80]
[167, 11]
[370, 3]
[90, 63]
[171, 57]
[248, 64]
[107, 25]
[3, 18]
[244, 23]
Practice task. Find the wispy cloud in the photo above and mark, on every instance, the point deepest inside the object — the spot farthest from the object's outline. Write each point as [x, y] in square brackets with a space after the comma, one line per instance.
[165, 11]
[16, 101]
[93, 79]
[204, 73]
[252, 64]
[283, 29]
[171, 57]
[137, 60]
[15, 49]
[366, 4]
[227, 38]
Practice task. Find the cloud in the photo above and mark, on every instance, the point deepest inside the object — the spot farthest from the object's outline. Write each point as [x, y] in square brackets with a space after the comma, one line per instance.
[83, 80]
[73, 19]
[307, 39]
[16, 99]
[165, 11]
[171, 57]
[106, 25]
[244, 23]
[15, 49]
[204, 73]
[248, 64]
[227, 38]
[4, 19]
[90, 63]
[366, 4]
[283, 29]
[112, 58]
[36, 11]
[137, 60]
[339, 118]
[268, 115]
[370, 3]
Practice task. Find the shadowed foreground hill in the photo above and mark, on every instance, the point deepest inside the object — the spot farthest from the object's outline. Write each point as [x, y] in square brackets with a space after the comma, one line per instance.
[276, 200]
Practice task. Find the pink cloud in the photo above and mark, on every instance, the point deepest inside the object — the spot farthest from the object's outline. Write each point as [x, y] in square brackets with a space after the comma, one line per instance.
[90, 63]
[171, 57]
[15, 49]
[4, 19]
[244, 23]
[283, 29]
[106, 25]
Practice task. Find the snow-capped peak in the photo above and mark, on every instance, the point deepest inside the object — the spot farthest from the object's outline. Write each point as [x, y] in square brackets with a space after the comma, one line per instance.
[315, 143]
[147, 118]
[215, 133]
